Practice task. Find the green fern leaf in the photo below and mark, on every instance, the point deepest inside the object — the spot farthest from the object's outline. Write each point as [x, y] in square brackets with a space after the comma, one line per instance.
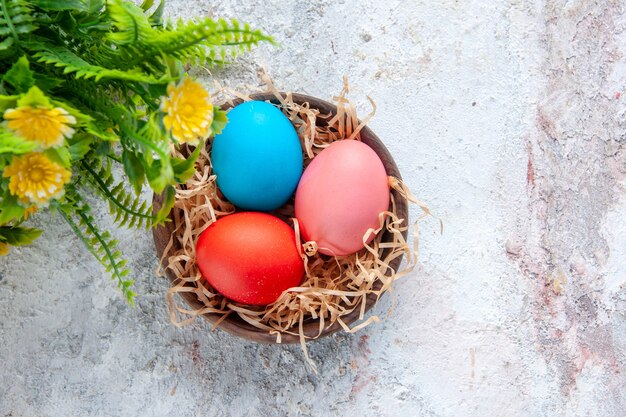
[80, 145]
[146, 4]
[11, 210]
[78, 216]
[20, 76]
[72, 63]
[130, 22]
[220, 118]
[59, 5]
[7, 102]
[60, 155]
[18, 236]
[146, 139]
[15, 19]
[134, 170]
[10, 143]
[184, 168]
[156, 18]
[168, 198]
[207, 40]
[6, 43]
[94, 6]
[128, 210]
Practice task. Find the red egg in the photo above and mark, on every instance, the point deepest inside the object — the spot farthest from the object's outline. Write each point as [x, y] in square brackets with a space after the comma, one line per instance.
[250, 257]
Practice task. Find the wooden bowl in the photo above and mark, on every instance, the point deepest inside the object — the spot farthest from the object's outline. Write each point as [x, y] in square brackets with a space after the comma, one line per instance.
[235, 325]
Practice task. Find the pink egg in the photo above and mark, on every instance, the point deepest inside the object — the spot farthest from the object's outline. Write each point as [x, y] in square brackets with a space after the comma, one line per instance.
[340, 196]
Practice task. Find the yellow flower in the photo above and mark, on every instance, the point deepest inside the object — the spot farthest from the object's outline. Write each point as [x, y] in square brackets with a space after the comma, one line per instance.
[35, 179]
[4, 249]
[44, 126]
[189, 111]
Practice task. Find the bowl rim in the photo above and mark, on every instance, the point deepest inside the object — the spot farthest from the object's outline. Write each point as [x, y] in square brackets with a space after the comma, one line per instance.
[233, 324]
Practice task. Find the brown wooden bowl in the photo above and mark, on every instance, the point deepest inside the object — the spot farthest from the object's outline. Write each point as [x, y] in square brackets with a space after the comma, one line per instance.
[235, 325]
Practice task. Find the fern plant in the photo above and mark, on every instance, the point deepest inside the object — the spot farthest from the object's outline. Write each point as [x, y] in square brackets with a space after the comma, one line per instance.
[89, 84]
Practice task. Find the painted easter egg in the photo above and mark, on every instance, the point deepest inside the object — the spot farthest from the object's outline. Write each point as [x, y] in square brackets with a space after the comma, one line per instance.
[257, 158]
[250, 257]
[340, 196]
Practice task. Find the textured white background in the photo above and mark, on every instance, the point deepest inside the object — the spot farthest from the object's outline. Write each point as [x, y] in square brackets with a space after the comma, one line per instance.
[506, 117]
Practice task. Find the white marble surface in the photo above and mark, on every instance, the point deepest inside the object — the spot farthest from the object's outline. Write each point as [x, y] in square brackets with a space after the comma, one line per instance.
[505, 116]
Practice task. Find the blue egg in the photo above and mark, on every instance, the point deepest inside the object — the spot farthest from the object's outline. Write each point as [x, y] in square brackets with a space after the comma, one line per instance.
[258, 157]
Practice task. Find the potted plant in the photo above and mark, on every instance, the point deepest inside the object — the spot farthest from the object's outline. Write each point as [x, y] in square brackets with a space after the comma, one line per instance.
[88, 86]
